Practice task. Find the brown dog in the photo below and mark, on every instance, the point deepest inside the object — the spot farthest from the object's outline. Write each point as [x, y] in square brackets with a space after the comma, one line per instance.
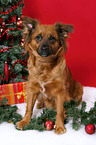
[50, 81]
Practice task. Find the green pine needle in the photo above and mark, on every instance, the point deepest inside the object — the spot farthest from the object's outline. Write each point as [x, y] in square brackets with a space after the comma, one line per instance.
[8, 112]
[79, 116]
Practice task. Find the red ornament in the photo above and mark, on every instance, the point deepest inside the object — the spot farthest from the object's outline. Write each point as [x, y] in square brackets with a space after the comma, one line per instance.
[90, 128]
[22, 16]
[49, 125]
[3, 24]
[23, 40]
[6, 72]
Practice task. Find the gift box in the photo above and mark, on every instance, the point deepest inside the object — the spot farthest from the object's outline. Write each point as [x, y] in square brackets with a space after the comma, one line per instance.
[15, 93]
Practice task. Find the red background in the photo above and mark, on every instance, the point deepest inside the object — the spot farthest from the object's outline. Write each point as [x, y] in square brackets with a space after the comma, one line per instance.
[81, 54]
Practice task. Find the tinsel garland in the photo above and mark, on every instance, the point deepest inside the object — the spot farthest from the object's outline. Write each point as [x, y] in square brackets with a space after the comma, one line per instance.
[5, 49]
[12, 8]
[11, 35]
[9, 29]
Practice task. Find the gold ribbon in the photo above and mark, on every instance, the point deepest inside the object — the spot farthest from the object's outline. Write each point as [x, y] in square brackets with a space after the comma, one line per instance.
[22, 93]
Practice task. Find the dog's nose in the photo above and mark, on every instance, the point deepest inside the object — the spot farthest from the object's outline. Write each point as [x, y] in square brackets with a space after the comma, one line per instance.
[45, 47]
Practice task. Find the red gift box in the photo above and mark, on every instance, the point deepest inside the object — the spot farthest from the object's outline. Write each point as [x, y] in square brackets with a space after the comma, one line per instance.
[15, 93]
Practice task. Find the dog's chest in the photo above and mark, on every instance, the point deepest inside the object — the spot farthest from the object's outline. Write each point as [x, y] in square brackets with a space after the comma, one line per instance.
[43, 89]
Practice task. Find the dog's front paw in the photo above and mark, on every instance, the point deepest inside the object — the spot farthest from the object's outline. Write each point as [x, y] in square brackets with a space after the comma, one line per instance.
[20, 125]
[60, 130]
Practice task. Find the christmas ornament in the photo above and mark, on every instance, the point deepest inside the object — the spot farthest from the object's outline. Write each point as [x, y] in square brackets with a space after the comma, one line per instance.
[6, 72]
[1, 29]
[19, 22]
[3, 24]
[23, 40]
[90, 128]
[22, 44]
[22, 16]
[10, 38]
[19, 18]
[49, 125]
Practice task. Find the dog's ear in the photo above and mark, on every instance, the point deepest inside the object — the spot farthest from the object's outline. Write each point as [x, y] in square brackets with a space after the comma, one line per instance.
[63, 30]
[29, 27]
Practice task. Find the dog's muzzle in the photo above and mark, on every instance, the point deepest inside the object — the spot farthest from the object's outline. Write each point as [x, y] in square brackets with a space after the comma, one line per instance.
[45, 50]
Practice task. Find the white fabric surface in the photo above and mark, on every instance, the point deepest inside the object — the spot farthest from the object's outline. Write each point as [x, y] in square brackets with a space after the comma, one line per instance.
[10, 136]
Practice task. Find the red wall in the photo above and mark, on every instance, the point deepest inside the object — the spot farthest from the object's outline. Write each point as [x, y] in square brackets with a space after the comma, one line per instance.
[81, 54]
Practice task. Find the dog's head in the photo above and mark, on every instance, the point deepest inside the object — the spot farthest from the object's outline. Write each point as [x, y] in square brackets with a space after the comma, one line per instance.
[45, 39]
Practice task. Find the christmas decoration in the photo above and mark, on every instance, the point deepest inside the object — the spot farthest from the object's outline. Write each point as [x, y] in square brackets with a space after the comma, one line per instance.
[49, 125]
[14, 93]
[1, 29]
[78, 116]
[37, 123]
[19, 22]
[48, 116]
[12, 8]
[90, 128]
[13, 59]
[19, 95]
[8, 113]
[6, 72]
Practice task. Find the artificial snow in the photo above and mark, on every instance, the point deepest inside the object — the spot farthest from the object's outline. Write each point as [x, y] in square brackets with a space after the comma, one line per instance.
[10, 136]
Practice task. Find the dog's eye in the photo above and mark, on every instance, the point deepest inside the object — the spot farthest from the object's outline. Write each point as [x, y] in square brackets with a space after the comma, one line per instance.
[52, 39]
[38, 38]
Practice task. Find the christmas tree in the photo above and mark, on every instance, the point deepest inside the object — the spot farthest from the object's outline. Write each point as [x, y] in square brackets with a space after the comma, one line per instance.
[13, 59]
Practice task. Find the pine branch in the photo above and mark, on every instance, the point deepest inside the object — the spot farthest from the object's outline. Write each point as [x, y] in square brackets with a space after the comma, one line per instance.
[8, 112]
[37, 123]
[79, 116]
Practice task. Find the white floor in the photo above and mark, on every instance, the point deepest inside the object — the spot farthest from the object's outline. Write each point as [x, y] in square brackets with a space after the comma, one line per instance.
[10, 136]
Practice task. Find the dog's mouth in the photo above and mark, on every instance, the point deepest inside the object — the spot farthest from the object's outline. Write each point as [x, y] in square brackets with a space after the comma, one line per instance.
[44, 55]
[44, 50]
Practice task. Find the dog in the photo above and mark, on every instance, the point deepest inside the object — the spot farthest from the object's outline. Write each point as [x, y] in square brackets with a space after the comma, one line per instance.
[50, 80]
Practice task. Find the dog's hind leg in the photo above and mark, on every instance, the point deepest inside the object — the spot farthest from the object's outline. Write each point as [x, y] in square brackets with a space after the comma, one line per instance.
[78, 92]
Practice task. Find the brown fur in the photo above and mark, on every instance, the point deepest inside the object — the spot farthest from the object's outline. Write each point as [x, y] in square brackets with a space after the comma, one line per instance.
[50, 80]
